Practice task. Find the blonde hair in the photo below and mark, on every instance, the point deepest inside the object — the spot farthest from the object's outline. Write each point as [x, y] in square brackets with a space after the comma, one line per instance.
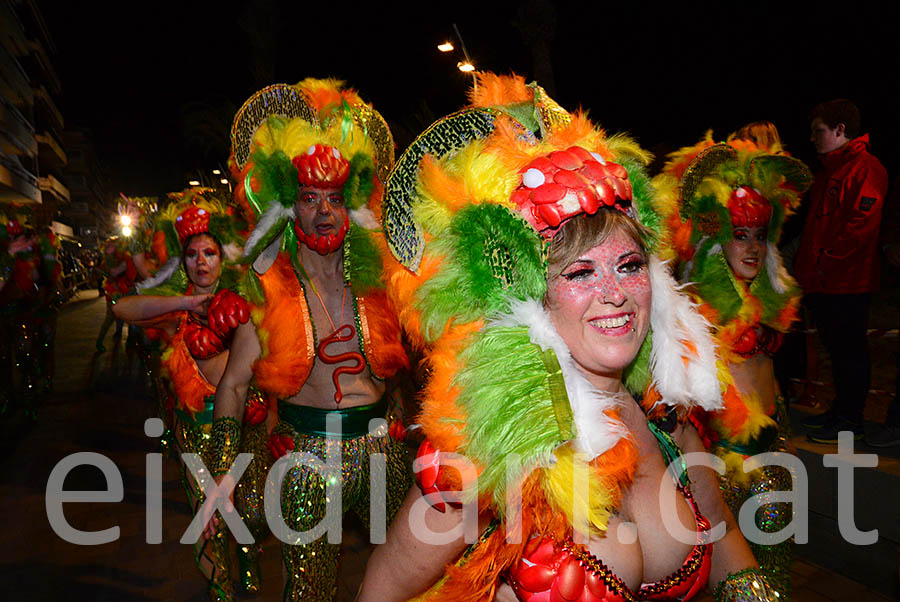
[586, 232]
[763, 134]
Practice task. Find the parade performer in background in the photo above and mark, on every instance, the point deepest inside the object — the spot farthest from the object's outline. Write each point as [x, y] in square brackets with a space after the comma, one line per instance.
[324, 337]
[46, 312]
[119, 275]
[29, 303]
[724, 206]
[531, 279]
[192, 299]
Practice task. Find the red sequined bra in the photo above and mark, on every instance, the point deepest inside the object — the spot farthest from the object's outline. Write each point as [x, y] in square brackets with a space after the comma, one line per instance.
[567, 572]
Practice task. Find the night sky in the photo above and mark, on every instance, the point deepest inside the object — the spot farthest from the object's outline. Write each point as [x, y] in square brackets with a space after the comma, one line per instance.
[158, 83]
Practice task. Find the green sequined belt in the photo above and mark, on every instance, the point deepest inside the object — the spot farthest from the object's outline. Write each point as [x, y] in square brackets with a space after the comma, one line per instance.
[205, 416]
[311, 421]
[758, 445]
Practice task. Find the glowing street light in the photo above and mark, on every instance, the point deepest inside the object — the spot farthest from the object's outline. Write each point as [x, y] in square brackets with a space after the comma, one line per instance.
[216, 172]
[445, 47]
[224, 180]
[465, 66]
[125, 219]
[193, 182]
[126, 231]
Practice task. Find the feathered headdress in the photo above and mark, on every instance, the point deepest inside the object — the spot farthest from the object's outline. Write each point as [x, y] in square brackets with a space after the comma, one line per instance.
[285, 136]
[469, 210]
[706, 189]
[191, 212]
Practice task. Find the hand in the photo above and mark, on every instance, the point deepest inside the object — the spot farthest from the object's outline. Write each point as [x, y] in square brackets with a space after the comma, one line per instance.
[210, 519]
[227, 311]
[280, 445]
[202, 343]
[197, 304]
[255, 411]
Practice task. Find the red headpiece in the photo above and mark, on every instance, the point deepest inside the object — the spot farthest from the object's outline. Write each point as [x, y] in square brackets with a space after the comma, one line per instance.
[567, 183]
[748, 208]
[193, 220]
[322, 167]
[14, 228]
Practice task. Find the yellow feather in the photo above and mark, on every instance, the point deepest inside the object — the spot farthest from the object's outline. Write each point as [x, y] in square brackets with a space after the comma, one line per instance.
[559, 487]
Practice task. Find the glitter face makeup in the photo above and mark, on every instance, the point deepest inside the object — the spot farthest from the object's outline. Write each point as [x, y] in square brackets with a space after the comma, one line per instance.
[600, 305]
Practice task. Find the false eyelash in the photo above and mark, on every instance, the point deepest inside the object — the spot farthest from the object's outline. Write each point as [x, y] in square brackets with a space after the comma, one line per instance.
[578, 274]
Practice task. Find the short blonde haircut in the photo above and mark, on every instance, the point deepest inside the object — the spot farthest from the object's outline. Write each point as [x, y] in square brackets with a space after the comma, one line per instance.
[586, 232]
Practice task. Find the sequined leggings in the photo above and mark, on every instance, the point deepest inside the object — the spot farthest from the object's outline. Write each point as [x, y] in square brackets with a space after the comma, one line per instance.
[248, 499]
[312, 568]
[211, 555]
[774, 561]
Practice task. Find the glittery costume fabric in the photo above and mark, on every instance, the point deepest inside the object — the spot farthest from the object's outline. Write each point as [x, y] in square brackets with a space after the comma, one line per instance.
[312, 568]
[248, 498]
[774, 561]
[211, 556]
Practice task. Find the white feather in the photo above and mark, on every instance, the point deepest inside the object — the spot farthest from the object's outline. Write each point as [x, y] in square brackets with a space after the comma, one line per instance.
[269, 218]
[778, 275]
[365, 218]
[161, 276]
[674, 321]
[596, 431]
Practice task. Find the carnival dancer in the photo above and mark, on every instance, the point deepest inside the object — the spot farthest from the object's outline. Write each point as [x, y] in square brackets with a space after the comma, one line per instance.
[311, 160]
[29, 303]
[192, 299]
[119, 275]
[533, 284]
[724, 206]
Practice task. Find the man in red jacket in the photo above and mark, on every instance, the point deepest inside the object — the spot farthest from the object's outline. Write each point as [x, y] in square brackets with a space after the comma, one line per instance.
[838, 263]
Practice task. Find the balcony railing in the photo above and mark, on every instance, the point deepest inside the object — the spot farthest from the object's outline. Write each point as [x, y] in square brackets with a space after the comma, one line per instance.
[41, 94]
[17, 130]
[48, 139]
[12, 74]
[50, 184]
[17, 184]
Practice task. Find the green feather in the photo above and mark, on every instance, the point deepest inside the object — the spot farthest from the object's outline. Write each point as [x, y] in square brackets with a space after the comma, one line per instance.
[493, 255]
[358, 187]
[362, 262]
[637, 374]
[715, 282]
[504, 388]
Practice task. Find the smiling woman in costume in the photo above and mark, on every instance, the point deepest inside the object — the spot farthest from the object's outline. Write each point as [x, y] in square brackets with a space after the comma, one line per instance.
[191, 299]
[724, 206]
[563, 363]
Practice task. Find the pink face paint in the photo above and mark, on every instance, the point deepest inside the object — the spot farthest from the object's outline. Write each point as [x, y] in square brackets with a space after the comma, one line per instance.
[600, 304]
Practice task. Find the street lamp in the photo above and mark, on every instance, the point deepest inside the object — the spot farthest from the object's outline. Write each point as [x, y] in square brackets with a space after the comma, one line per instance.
[466, 65]
[193, 182]
[125, 219]
[126, 231]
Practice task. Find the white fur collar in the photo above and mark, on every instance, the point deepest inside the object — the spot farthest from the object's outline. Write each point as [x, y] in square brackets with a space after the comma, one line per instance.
[674, 321]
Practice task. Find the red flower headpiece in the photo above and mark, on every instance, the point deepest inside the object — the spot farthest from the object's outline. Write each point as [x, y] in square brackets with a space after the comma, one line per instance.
[193, 220]
[566, 183]
[748, 208]
[14, 228]
[322, 167]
